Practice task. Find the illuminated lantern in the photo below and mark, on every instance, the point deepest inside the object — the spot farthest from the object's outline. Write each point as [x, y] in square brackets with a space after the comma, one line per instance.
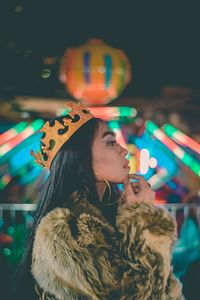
[95, 73]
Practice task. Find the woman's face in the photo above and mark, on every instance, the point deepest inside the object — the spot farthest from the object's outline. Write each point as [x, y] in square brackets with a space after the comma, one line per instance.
[109, 160]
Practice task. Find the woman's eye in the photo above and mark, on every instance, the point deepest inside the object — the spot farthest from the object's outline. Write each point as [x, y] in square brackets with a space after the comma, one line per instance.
[111, 143]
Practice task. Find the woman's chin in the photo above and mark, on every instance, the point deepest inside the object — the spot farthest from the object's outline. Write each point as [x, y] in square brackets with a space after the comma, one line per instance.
[122, 179]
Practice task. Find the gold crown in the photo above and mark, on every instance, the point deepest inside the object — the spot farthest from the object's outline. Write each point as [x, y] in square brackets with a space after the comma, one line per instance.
[55, 134]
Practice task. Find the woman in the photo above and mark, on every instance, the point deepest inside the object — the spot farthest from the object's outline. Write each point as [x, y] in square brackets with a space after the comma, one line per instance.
[90, 242]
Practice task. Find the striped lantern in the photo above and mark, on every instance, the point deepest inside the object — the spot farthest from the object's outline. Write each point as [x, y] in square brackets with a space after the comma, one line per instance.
[95, 73]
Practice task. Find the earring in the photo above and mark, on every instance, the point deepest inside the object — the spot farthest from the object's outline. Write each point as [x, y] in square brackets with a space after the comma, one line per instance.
[108, 185]
[110, 192]
[118, 200]
[109, 189]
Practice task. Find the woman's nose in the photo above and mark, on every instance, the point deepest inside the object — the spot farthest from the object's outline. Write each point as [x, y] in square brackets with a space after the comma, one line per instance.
[124, 151]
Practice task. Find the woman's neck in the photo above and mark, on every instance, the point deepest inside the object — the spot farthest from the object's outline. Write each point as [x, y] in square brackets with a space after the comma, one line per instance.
[101, 187]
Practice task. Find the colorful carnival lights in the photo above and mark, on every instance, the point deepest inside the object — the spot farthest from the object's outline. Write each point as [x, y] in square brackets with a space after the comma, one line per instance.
[5, 180]
[36, 125]
[181, 137]
[146, 161]
[109, 112]
[115, 126]
[12, 132]
[178, 151]
[95, 73]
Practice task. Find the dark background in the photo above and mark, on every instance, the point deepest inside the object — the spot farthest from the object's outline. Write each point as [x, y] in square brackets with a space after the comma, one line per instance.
[160, 38]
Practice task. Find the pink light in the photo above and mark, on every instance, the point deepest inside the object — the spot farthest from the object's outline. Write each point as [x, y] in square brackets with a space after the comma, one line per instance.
[120, 138]
[12, 132]
[187, 141]
[168, 142]
[114, 125]
[5, 180]
[105, 113]
[181, 137]
[159, 179]
[36, 125]
[8, 146]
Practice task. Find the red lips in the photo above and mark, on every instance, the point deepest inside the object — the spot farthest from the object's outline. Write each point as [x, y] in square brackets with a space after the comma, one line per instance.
[126, 164]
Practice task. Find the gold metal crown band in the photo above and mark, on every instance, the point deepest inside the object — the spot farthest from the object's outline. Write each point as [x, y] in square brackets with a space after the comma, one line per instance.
[55, 134]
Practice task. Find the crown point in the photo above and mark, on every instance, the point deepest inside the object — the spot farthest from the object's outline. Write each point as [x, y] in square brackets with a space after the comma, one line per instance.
[51, 131]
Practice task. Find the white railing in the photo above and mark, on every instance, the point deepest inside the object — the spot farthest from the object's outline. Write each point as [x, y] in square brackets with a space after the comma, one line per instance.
[175, 208]
[32, 207]
[17, 207]
[12, 209]
[8, 214]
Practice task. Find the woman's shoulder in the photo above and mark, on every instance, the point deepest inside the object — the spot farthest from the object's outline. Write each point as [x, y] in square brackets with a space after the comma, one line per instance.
[71, 228]
[62, 215]
[53, 220]
[53, 228]
[56, 216]
[79, 220]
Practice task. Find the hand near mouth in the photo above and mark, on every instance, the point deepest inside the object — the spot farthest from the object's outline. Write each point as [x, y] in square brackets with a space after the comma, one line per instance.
[138, 191]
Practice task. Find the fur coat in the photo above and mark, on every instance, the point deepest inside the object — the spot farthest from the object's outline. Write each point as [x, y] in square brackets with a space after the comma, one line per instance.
[77, 254]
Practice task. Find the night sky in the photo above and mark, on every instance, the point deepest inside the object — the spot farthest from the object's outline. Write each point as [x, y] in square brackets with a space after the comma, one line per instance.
[160, 38]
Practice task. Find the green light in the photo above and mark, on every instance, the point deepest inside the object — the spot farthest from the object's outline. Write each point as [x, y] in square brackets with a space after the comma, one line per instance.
[46, 73]
[151, 126]
[12, 132]
[2, 184]
[36, 125]
[10, 230]
[6, 251]
[196, 168]
[65, 112]
[169, 129]
[20, 127]
[114, 125]
[187, 159]
[181, 137]
[178, 151]
[127, 111]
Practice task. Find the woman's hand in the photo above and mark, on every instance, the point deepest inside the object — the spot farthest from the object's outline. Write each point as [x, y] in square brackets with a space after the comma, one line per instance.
[139, 191]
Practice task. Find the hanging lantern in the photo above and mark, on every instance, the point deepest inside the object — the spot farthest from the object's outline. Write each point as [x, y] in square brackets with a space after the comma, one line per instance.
[95, 73]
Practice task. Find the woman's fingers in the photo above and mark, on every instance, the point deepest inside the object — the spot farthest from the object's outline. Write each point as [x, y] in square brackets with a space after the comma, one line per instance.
[135, 184]
[139, 190]
[136, 187]
[127, 187]
[129, 191]
[136, 191]
[140, 179]
[149, 185]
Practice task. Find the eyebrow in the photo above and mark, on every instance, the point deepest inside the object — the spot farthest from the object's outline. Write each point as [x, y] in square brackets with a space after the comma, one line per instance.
[108, 133]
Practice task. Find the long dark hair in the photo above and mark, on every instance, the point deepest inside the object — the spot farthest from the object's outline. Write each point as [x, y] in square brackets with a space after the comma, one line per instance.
[70, 171]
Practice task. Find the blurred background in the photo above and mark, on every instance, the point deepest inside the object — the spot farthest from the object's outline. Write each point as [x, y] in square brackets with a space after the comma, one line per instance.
[136, 65]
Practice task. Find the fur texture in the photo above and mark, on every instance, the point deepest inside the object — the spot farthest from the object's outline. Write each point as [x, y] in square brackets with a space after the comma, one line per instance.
[77, 254]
